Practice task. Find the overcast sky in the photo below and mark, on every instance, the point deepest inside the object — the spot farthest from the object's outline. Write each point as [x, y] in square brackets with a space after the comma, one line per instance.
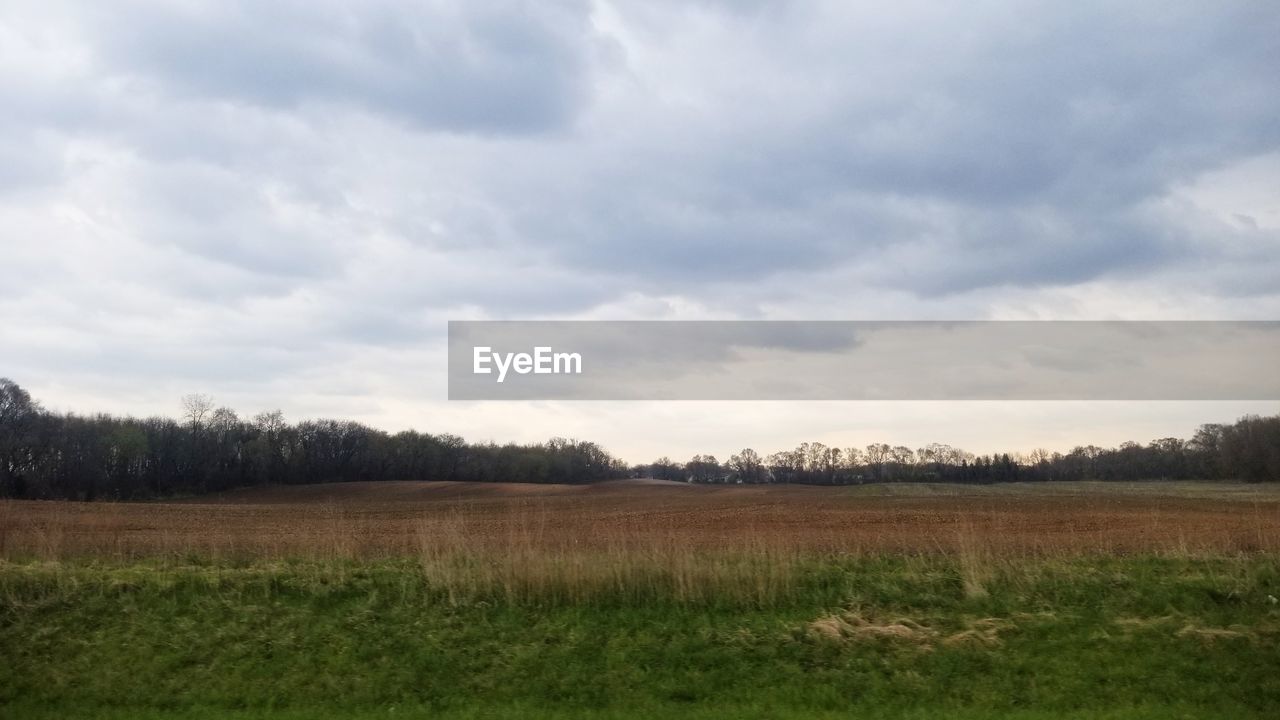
[282, 203]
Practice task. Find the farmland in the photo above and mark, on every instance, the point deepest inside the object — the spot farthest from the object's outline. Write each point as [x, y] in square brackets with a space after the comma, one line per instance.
[380, 519]
[646, 599]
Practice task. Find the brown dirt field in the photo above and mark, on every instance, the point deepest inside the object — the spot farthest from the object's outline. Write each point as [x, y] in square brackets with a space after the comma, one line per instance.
[391, 518]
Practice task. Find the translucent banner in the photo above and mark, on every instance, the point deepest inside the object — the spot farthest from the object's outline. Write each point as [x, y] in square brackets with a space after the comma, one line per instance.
[863, 360]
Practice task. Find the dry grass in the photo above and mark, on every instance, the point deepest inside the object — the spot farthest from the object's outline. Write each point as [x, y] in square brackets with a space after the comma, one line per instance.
[400, 519]
[693, 544]
[530, 561]
[975, 560]
[854, 627]
[1209, 635]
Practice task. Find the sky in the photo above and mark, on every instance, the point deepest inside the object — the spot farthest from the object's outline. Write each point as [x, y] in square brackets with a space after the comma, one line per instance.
[281, 204]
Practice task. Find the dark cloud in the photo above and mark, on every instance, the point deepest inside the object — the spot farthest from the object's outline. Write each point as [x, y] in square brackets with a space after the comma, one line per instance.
[1010, 153]
[260, 183]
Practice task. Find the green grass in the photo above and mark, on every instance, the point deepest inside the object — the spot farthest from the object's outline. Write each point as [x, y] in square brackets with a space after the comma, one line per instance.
[1090, 637]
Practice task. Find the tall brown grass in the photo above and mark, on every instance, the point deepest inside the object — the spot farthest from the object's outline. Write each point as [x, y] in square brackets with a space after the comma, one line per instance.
[527, 564]
[663, 539]
[975, 561]
[533, 552]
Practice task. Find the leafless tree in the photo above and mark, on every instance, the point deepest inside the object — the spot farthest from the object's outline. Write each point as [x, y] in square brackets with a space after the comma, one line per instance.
[196, 408]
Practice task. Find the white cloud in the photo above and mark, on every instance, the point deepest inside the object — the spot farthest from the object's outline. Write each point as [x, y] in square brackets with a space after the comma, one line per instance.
[282, 203]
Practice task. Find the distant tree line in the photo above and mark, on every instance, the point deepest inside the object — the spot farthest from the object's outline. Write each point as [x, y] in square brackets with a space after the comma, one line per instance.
[209, 449]
[1247, 450]
[65, 456]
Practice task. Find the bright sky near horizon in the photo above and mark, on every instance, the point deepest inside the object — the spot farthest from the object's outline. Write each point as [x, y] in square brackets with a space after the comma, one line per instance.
[281, 204]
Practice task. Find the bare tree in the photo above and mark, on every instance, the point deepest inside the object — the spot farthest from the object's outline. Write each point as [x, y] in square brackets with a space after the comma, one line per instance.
[748, 466]
[196, 407]
[877, 454]
[703, 468]
[17, 415]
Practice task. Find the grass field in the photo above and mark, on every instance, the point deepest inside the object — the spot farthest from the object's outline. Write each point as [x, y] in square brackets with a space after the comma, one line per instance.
[394, 519]
[645, 600]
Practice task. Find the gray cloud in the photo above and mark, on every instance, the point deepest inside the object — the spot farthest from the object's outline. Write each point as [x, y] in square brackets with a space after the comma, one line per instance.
[465, 67]
[275, 190]
[1017, 155]
[932, 150]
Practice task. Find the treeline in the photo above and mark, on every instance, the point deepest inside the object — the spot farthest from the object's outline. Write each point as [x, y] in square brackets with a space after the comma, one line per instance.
[56, 456]
[65, 456]
[1247, 450]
